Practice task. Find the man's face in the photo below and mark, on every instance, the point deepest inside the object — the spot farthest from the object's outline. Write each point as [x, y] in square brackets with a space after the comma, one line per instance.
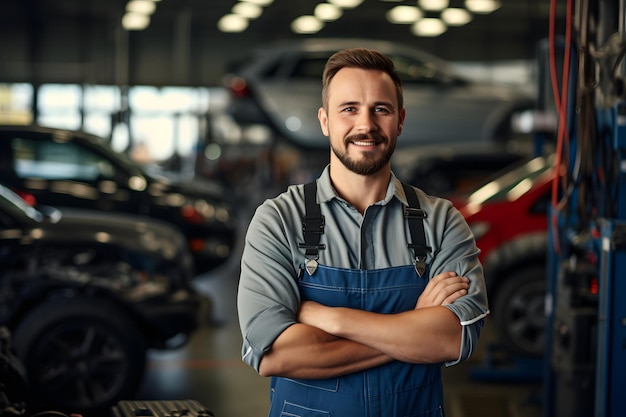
[362, 120]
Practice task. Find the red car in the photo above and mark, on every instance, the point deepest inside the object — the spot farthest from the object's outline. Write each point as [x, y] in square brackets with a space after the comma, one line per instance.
[508, 217]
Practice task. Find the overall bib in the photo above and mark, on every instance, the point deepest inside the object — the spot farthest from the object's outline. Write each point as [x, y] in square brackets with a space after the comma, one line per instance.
[396, 389]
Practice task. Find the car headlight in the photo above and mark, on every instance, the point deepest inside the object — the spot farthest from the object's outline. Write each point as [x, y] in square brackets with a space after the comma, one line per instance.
[202, 211]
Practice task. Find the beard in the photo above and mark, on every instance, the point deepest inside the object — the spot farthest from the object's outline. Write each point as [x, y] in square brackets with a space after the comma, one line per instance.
[370, 162]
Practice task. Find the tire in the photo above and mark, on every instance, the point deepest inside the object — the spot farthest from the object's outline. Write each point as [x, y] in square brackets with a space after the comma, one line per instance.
[81, 355]
[519, 311]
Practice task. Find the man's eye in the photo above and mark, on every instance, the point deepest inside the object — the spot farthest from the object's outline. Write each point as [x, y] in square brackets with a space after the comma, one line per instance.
[381, 110]
[349, 109]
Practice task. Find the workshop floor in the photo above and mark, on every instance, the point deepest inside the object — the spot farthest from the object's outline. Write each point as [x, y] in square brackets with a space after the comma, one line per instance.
[210, 371]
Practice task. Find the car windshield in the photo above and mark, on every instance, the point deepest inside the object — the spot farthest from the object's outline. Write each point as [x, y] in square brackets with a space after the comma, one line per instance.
[310, 67]
[20, 204]
[513, 183]
[57, 159]
[414, 71]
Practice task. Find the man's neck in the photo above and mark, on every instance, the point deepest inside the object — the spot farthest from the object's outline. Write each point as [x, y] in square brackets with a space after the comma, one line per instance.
[360, 190]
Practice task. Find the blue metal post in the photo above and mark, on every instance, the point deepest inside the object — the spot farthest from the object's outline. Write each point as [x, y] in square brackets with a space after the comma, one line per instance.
[611, 359]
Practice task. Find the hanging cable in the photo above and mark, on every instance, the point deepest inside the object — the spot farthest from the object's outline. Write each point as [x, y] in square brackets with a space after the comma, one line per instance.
[561, 100]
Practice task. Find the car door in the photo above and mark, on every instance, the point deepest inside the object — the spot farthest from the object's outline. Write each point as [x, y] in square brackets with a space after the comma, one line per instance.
[60, 171]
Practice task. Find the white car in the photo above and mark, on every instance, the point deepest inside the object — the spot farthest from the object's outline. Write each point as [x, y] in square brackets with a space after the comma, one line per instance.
[280, 86]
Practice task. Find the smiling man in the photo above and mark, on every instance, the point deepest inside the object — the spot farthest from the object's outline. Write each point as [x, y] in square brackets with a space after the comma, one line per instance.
[356, 288]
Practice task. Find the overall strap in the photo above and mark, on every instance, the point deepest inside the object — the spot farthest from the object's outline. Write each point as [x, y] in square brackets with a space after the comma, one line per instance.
[415, 216]
[312, 227]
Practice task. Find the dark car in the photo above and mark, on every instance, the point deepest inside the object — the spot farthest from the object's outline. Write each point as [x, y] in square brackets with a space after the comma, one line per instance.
[86, 294]
[65, 168]
[508, 217]
[279, 86]
[453, 170]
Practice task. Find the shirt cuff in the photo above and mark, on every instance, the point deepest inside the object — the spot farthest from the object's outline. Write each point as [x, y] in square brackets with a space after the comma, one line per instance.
[261, 332]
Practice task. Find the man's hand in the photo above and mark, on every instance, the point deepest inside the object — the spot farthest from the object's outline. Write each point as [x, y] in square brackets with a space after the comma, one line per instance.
[443, 289]
[315, 314]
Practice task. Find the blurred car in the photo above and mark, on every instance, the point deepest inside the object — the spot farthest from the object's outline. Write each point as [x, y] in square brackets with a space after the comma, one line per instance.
[85, 295]
[508, 217]
[65, 168]
[449, 170]
[279, 86]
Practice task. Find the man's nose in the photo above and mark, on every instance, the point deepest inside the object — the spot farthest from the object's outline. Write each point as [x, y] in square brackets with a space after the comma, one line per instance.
[366, 121]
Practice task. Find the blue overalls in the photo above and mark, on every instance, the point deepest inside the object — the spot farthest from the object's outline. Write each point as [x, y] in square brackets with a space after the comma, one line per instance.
[396, 389]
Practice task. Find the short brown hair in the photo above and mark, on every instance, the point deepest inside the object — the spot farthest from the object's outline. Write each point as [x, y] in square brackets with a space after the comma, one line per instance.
[364, 58]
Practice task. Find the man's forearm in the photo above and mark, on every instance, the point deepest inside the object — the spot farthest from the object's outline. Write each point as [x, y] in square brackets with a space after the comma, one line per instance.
[431, 333]
[425, 335]
[306, 352]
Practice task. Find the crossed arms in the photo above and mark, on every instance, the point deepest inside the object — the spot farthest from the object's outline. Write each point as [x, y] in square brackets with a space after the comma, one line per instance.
[332, 341]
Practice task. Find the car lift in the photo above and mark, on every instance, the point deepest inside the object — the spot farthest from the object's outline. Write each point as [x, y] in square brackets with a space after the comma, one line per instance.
[585, 361]
[584, 366]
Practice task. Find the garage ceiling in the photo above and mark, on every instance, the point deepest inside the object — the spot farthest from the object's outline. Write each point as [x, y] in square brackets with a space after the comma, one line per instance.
[81, 40]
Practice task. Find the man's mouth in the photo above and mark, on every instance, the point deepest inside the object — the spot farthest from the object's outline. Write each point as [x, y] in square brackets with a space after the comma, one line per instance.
[364, 142]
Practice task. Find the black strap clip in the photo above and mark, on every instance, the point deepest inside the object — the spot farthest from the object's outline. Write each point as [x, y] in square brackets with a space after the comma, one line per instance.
[415, 216]
[312, 228]
[414, 213]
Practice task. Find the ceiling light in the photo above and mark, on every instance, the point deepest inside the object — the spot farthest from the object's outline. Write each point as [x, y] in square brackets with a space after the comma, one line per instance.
[327, 12]
[346, 4]
[433, 5]
[456, 17]
[259, 2]
[135, 21]
[232, 23]
[429, 27]
[404, 14]
[306, 25]
[247, 10]
[141, 6]
[482, 6]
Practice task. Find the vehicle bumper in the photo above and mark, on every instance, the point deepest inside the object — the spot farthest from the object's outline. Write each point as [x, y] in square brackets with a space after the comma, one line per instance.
[171, 318]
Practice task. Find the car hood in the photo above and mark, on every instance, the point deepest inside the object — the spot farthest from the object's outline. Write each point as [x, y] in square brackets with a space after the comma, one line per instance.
[478, 212]
[197, 188]
[201, 195]
[134, 233]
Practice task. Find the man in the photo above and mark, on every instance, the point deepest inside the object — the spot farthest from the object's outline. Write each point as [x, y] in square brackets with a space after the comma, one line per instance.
[352, 297]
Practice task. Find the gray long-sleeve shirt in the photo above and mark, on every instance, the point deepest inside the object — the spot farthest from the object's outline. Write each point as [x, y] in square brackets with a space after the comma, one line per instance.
[268, 296]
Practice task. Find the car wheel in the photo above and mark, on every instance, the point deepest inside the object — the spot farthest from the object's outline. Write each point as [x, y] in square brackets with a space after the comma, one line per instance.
[519, 311]
[81, 355]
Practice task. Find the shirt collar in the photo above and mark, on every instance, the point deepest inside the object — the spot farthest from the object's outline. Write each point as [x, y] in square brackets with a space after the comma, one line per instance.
[326, 192]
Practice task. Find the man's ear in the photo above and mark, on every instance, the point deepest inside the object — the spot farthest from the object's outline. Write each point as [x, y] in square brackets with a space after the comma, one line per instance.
[322, 116]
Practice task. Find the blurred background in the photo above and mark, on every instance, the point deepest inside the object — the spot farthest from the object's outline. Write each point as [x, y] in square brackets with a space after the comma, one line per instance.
[156, 127]
[159, 88]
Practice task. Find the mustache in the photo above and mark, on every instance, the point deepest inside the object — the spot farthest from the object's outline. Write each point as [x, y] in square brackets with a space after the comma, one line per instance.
[366, 136]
